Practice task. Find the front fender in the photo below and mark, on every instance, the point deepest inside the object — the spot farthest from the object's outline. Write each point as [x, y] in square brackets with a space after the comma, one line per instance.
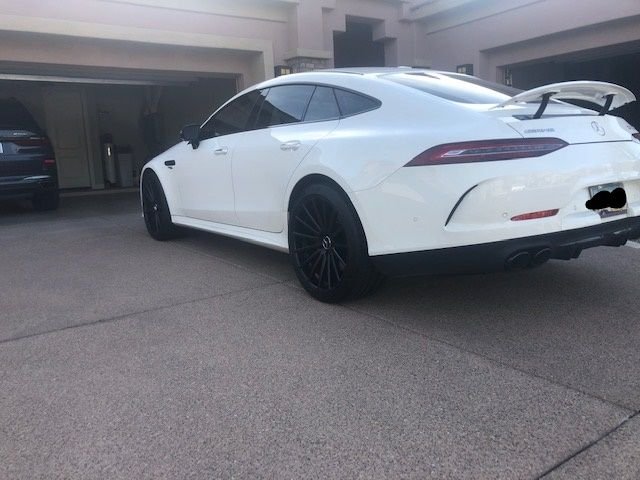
[167, 178]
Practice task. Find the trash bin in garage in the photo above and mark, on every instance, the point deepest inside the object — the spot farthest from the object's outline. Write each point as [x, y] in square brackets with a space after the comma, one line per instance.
[109, 159]
[124, 156]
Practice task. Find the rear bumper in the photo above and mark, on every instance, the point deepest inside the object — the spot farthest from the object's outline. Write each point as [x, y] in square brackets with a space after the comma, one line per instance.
[27, 187]
[509, 254]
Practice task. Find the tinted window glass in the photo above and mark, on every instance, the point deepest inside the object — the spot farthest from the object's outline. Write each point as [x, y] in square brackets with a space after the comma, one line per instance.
[322, 106]
[498, 87]
[285, 104]
[352, 103]
[233, 118]
[449, 88]
[13, 115]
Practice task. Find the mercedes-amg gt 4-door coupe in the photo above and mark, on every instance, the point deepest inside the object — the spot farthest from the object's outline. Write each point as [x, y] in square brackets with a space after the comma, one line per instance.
[363, 173]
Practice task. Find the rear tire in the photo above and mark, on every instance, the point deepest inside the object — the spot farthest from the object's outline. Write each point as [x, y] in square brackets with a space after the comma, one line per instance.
[155, 208]
[44, 202]
[328, 247]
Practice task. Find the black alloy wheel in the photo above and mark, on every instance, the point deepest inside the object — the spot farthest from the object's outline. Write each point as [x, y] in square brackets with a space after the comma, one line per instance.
[157, 217]
[328, 247]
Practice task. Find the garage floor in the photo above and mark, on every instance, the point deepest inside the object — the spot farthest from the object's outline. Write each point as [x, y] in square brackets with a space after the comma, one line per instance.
[122, 357]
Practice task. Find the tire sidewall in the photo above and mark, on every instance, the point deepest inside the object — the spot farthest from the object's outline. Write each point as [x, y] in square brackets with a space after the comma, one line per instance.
[166, 229]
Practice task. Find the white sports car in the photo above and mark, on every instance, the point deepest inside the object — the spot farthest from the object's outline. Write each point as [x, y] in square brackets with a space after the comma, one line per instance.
[361, 173]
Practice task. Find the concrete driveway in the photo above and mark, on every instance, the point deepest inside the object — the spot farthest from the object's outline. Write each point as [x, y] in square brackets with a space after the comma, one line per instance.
[123, 357]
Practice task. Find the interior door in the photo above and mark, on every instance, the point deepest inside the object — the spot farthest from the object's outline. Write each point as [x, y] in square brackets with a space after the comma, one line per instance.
[64, 111]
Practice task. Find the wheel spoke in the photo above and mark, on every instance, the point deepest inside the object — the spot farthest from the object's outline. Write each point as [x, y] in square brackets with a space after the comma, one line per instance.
[323, 266]
[156, 220]
[310, 257]
[315, 265]
[304, 235]
[306, 247]
[313, 220]
[314, 230]
[319, 217]
[328, 271]
[337, 272]
[340, 259]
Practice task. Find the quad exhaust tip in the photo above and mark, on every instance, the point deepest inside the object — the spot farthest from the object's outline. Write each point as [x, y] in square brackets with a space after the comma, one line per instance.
[520, 260]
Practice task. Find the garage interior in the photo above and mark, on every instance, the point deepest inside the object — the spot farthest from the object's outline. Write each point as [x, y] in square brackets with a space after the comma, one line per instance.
[105, 124]
[617, 64]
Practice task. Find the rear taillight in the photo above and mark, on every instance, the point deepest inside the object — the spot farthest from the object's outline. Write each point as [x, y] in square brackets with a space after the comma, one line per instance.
[31, 142]
[48, 163]
[534, 215]
[487, 151]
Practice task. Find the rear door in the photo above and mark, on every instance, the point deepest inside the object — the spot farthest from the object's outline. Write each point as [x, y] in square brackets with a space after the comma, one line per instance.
[266, 157]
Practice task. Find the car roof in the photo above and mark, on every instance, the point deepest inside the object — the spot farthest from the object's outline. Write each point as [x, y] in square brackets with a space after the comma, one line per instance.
[343, 77]
[378, 70]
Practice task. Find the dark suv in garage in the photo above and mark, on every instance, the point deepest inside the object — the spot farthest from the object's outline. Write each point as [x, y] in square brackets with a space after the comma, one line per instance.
[27, 161]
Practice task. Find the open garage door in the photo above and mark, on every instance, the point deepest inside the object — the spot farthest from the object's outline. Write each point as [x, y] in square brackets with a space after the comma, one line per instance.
[105, 125]
[618, 64]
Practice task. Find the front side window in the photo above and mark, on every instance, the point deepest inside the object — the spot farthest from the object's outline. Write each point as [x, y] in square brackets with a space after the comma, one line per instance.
[284, 104]
[233, 118]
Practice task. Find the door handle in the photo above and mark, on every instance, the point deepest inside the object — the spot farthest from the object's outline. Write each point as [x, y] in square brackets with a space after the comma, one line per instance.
[291, 145]
[170, 163]
[221, 151]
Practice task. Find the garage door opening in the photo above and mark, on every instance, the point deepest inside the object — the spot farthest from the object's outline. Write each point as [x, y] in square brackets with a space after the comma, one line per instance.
[104, 130]
[619, 68]
[355, 47]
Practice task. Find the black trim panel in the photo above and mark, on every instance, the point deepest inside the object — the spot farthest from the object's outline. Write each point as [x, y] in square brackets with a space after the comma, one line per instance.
[507, 254]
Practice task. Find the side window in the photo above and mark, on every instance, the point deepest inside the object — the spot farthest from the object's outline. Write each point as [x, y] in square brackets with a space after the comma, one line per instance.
[352, 103]
[284, 104]
[231, 119]
[322, 106]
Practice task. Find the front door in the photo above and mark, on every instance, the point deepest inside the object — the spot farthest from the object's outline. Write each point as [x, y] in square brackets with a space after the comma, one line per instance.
[64, 111]
[204, 173]
[204, 179]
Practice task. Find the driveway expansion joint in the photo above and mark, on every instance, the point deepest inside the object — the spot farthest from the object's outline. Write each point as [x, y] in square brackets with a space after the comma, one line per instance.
[587, 446]
[492, 360]
[123, 316]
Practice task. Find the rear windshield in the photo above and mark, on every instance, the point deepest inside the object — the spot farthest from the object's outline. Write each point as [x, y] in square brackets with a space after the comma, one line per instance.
[13, 116]
[455, 87]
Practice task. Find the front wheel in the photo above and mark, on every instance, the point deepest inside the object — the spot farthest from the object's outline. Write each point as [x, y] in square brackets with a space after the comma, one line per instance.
[157, 217]
[328, 247]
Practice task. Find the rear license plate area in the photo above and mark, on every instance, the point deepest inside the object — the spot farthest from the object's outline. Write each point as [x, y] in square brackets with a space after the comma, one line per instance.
[607, 211]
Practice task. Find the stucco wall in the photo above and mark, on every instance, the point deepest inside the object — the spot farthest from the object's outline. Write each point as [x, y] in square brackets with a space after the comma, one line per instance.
[492, 33]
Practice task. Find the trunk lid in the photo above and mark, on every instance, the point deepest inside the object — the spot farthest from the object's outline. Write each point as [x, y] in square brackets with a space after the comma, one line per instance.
[540, 113]
[560, 120]
[23, 153]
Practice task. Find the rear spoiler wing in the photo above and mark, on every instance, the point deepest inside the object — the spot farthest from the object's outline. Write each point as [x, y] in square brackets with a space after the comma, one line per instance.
[606, 95]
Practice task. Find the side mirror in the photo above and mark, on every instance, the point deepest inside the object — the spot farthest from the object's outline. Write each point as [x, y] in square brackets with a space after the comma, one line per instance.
[191, 135]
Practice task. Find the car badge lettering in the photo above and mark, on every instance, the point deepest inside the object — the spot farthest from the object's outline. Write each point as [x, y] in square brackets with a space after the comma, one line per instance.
[598, 129]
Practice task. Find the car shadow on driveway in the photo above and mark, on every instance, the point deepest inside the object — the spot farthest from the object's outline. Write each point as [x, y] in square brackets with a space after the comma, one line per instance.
[571, 322]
